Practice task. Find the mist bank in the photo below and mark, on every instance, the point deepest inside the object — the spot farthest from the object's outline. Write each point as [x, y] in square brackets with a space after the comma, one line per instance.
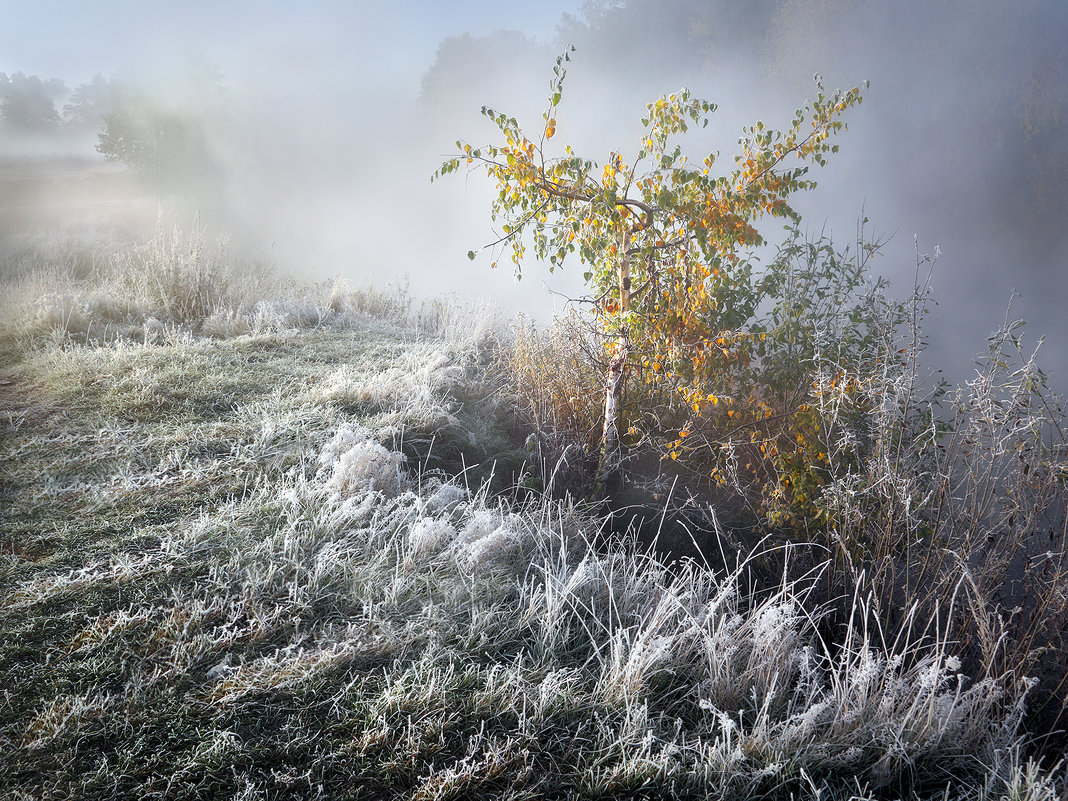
[314, 143]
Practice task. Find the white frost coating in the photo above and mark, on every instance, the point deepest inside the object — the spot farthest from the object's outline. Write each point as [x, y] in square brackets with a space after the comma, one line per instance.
[498, 547]
[411, 392]
[428, 537]
[354, 464]
[345, 437]
[487, 540]
[444, 499]
[481, 523]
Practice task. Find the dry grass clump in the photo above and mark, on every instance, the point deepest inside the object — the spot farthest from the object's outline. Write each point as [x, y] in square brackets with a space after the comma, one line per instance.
[132, 290]
[392, 301]
[77, 249]
[177, 279]
[553, 382]
[38, 300]
[178, 276]
[476, 329]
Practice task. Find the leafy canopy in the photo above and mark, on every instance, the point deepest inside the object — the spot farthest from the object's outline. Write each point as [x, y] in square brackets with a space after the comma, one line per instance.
[665, 242]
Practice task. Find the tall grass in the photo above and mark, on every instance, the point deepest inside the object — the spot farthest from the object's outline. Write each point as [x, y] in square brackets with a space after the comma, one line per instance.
[552, 382]
[958, 510]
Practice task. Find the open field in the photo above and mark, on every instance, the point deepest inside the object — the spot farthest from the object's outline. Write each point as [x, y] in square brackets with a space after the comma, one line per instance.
[268, 540]
[55, 193]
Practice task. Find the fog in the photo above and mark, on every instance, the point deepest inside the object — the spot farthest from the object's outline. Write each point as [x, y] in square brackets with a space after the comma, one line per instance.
[329, 118]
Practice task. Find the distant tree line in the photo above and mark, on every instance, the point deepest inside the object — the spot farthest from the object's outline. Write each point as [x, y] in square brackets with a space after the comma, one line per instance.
[162, 135]
[165, 138]
[29, 104]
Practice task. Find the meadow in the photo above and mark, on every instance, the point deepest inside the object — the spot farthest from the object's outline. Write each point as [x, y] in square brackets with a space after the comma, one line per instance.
[266, 538]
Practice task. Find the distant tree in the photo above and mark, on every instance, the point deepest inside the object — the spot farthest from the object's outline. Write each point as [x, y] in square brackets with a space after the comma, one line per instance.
[459, 70]
[663, 241]
[996, 78]
[88, 104]
[610, 32]
[163, 140]
[28, 103]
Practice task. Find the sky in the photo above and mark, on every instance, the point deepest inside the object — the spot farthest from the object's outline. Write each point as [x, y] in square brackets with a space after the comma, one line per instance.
[342, 110]
[75, 40]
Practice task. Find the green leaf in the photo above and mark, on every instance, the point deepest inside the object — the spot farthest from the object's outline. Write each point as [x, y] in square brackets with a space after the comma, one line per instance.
[471, 255]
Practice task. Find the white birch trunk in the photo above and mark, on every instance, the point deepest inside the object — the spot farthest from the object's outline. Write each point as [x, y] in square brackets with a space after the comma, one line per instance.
[609, 460]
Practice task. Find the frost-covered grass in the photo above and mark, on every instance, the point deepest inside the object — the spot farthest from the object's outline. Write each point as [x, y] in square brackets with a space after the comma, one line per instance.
[247, 564]
[266, 600]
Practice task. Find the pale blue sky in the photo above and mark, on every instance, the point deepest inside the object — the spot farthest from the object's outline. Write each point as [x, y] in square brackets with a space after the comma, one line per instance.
[73, 39]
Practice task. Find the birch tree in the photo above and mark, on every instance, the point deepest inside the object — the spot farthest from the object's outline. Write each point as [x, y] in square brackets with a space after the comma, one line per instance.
[662, 239]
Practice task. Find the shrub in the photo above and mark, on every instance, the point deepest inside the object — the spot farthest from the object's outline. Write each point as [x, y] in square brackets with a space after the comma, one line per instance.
[823, 429]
